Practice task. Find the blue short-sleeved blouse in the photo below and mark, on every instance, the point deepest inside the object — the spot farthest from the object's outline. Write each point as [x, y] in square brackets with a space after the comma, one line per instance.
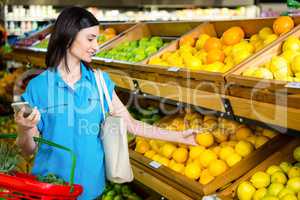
[70, 117]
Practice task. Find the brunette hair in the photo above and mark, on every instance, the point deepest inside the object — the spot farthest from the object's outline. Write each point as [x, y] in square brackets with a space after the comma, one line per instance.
[70, 21]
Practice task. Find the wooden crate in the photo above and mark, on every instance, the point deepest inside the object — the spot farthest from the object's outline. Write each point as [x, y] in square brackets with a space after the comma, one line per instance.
[284, 153]
[212, 81]
[269, 91]
[195, 189]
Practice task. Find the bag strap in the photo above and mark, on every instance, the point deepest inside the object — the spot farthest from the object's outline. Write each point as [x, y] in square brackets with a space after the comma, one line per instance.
[106, 94]
[100, 92]
[102, 86]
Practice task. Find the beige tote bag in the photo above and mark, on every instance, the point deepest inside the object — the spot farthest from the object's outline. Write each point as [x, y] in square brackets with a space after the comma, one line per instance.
[114, 138]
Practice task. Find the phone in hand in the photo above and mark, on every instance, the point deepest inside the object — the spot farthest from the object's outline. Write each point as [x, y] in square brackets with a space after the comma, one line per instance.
[17, 106]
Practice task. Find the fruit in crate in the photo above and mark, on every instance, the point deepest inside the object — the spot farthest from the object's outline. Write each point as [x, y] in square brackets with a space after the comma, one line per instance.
[284, 67]
[106, 34]
[214, 54]
[277, 181]
[42, 44]
[222, 143]
[7, 83]
[115, 191]
[134, 51]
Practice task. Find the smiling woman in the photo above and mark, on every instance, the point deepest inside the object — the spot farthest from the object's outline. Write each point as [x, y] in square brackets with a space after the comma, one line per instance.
[68, 108]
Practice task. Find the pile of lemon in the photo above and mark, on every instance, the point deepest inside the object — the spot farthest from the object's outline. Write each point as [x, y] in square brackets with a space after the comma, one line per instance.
[224, 144]
[276, 182]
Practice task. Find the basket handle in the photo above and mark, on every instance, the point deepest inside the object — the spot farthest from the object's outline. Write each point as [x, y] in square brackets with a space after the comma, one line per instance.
[43, 141]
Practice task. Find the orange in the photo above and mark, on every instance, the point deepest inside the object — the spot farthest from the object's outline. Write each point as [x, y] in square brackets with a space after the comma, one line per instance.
[243, 133]
[110, 31]
[217, 167]
[283, 24]
[233, 35]
[142, 147]
[212, 43]
[215, 55]
[180, 155]
[187, 40]
[192, 171]
[205, 139]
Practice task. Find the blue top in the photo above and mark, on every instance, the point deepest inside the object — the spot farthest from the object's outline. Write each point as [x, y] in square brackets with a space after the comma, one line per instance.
[70, 117]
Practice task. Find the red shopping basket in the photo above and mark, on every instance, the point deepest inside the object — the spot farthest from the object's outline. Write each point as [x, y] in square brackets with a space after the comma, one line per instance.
[21, 186]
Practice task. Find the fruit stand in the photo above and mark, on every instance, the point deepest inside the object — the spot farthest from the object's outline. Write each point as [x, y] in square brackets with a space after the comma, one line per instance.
[177, 64]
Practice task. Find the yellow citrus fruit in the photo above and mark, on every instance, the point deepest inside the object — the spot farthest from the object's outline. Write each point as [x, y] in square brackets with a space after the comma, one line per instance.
[201, 41]
[243, 148]
[192, 171]
[243, 133]
[217, 167]
[207, 157]
[226, 151]
[154, 145]
[251, 139]
[164, 161]
[142, 146]
[283, 24]
[187, 40]
[167, 150]
[156, 157]
[195, 151]
[149, 154]
[166, 55]
[264, 32]
[233, 35]
[269, 39]
[254, 38]
[180, 155]
[233, 159]
[269, 133]
[216, 150]
[212, 43]
[177, 167]
[205, 139]
[205, 177]
[260, 140]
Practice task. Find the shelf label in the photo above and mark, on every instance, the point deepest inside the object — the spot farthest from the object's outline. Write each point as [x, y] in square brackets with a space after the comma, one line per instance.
[293, 85]
[155, 164]
[107, 60]
[173, 69]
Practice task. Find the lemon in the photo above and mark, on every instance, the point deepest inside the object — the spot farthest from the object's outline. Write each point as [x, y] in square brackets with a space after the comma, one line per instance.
[192, 171]
[201, 41]
[207, 157]
[260, 140]
[245, 191]
[180, 155]
[233, 159]
[205, 177]
[149, 154]
[167, 150]
[225, 152]
[195, 151]
[243, 133]
[217, 167]
[205, 139]
[265, 32]
[243, 148]
[260, 180]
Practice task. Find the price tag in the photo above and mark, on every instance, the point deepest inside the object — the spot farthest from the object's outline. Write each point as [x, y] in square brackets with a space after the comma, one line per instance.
[293, 85]
[173, 69]
[155, 164]
[107, 60]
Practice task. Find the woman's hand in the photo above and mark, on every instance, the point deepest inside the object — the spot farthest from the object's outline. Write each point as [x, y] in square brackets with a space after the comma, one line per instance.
[25, 123]
[187, 137]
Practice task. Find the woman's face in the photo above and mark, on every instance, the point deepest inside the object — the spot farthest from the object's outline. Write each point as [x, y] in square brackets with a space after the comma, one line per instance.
[85, 44]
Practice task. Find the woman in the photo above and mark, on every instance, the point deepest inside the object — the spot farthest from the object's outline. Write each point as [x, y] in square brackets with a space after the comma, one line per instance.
[67, 106]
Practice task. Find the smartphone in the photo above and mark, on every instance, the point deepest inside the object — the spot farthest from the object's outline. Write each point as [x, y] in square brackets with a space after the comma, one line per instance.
[17, 106]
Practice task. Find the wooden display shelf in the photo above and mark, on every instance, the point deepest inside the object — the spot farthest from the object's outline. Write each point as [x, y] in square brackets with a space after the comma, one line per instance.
[269, 91]
[195, 189]
[285, 153]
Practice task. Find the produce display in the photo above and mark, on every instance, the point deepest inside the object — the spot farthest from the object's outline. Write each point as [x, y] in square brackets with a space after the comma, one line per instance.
[134, 51]
[114, 191]
[7, 83]
[9, 157]
[43, 44]
[7, 125]
[284, 67]
[221, 144]
[221, 54]
[106, 34]
[278, 182]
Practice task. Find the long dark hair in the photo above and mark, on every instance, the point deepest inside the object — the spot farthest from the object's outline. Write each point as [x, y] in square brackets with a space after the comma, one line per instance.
[70, 21]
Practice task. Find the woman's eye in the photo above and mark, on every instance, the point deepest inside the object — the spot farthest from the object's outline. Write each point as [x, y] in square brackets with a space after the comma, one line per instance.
[90, 40]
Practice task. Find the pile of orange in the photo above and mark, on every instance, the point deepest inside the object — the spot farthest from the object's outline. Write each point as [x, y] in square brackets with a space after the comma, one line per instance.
[210, 53]
[106, 34]
[227, 143]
